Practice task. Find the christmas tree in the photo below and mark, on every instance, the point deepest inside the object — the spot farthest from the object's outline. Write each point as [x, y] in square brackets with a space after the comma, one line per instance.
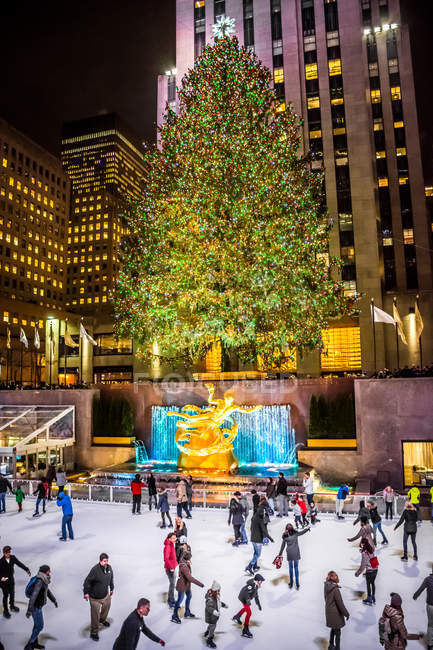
[229, 240]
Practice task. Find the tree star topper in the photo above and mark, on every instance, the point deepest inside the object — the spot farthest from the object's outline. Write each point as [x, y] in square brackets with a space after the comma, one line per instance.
[224, 26]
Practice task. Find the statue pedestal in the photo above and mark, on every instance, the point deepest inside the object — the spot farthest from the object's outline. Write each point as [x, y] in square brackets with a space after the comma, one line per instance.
[223, 461]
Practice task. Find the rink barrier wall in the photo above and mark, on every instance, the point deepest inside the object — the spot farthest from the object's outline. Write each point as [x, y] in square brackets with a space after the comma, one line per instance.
[325, 501]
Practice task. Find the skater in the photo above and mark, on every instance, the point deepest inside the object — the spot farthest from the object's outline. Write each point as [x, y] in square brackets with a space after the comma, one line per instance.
[60, 479]
[236, 515]
[132, 626]
[51, 475]
[41, 492]
[151, 487]
[245, 505]
[290, 543]
[182, 499]
[388, 497]
[212, 612]
[246, 595]
[183, 587]
[7, 581]
[335, 611]
[256, 500]
[281, 494]
[98, 588]
[302, 505]
[64, 502]
[342, 493]
[188, 484]
[164, 507]
[414, 495]
[270, 493]
[296, 513]
[393, 613]
[4, 486]
[170, 565]
[308, 487]
[428, 584]
[409, 517]
[37, 591]
[181, 547]
[136, 487]
[362, 512]
[376, 520]
[19, 496]
[259, 532]
[369, 563]
[180, 529]
[313, 513]
[365, 531]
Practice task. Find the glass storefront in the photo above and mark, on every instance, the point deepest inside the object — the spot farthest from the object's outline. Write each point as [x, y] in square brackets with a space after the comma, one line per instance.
[418, 463]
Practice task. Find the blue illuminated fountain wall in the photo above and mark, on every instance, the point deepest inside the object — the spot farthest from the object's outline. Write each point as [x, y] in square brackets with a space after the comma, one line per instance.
[264, 437]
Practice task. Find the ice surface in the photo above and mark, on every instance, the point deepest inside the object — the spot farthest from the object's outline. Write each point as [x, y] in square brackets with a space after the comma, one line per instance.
[289, 620]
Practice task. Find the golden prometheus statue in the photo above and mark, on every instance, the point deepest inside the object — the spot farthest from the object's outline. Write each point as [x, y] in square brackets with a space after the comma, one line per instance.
[200, 437]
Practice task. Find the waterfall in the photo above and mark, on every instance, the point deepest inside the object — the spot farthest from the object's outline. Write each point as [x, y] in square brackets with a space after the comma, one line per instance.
[264, 437]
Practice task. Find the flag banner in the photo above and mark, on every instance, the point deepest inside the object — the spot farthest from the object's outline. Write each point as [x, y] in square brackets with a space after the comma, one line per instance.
[380, 316]
[23, 338]
[85, 335]
[399, 324]
[419, 323]
[8, 339]
[69, 341]
[37, 340]
[52, 341]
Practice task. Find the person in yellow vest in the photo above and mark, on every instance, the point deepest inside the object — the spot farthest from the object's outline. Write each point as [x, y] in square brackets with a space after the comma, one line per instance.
[431, 497]
[414, 496]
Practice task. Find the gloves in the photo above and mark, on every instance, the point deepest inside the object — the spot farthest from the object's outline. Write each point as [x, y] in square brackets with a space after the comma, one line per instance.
[28, 614]
[260, 607]
[56, 604]
[216, 612]
[224, 605]
[161, 642]
[29, 573]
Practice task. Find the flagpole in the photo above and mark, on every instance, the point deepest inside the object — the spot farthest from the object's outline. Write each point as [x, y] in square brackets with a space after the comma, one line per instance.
[51, 350]
[21, 364]
[396, 338]
[64, 342]
[374, 332]
[81, 355]
[419, 338]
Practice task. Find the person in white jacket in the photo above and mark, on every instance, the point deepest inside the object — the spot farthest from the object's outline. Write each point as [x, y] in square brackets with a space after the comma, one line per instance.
[308, 487]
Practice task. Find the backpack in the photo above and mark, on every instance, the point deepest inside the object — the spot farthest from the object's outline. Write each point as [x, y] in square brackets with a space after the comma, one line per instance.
[30, 586]
[385, 629]
[374, 563]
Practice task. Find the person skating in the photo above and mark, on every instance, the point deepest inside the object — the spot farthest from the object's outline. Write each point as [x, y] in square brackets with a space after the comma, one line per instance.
[388, 497]
[180, 528]
[335, 610]
[313, 513]
[255, 499]
[281, 494]
[303, 507]
[188, 484]
[4, 487]
[7, 581]
[342, 493]
[151, 487]
[259, 532]
[136, 487]
[38, 592]
[170, 564]
[427, 583]
[98, 588]
[362, 512]
[51, 476]
[365, 530]
[164, 507]
[212, 612]
[246, 506]
[376, 520]
[19, 497]
[246, 595]
[409, 517]
[182, 498]
[236, 516]
[271, 489]
[296, 509]
[41, 495]
[64, 502]
[183, 587]
[308, 486]
[133, 626]
[290, 543]
[60, 479]
[394, 614]
[369, 564]
[181, 547]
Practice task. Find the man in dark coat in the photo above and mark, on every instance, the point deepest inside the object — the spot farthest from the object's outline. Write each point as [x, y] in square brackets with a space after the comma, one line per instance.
[281, 494]
[7, 582]
[151, 486]
[98, 588]
[37, 601]
[132, 626]
[236, 515]
[4, 485]
[259, 532]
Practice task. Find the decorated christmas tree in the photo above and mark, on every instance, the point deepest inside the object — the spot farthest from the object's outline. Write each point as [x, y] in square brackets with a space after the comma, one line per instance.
[229, 240]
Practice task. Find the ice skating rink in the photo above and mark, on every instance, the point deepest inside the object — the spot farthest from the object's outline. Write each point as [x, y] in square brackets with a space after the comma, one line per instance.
[289, 620]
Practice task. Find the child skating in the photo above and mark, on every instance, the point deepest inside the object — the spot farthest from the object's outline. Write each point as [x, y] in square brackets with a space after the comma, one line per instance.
[246, 595]
[212, 612]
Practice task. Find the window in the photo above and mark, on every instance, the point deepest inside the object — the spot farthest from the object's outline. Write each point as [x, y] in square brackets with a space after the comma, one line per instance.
[279, 75]
[311, 71]
[342, 349]
[334, 67]
[395, 92]
[313, 102]
[315, 134]
[375, 96]
[383, 182]
[408, 236]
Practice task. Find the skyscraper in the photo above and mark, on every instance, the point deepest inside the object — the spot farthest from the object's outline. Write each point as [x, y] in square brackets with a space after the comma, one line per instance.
[346, 67]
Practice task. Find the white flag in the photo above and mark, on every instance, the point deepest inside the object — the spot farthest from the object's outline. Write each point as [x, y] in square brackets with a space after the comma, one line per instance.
[85, 335]
[37, 340]
[380, 316]
[419, 323]
[23, 338]
[399, 323]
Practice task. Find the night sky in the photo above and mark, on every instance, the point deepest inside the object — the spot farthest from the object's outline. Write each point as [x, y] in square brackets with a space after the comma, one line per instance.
[67, 60]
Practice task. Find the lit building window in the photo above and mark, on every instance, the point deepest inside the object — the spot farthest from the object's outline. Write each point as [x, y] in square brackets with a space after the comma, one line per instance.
[278, 75]
[315, 134]
[380, 154]
[375, 96]
[342, 349]
[401, 151]
[383, 182]
[311, 71]
[334, 66]
[395, 92]
[398, 125]
[313, 102]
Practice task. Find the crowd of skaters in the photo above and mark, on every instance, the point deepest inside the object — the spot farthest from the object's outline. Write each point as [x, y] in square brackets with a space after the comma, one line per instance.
[98, 586]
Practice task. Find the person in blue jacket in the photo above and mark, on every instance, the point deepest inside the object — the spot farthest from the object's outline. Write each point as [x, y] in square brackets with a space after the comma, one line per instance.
[64, 502]
[342, 493]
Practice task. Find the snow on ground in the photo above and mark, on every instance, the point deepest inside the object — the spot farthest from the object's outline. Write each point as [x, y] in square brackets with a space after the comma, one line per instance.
[289, 620]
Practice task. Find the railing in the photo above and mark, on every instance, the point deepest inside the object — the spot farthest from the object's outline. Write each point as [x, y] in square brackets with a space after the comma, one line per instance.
[204, 498]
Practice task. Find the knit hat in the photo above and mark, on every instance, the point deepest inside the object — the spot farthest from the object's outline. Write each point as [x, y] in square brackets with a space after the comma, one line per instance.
[215, 586]
[396, 600]
[183, 539]
[259, 577]
[44, 568]
[237, 494]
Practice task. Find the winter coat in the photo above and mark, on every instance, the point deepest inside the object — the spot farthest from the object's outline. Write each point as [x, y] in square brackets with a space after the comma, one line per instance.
[40, 593]
[163, 504]
[375, 516]
[179, 532]
[130, 633]
[414, 495]
[212, 605]
[270, 490]
[281, 486]
[296, 510]
[236, 513]
[137, 486]
[427, 584]
[365, 563]
[180, 550]
[335, 610]
[290, 542]
[181, 495]
[246, 506]
[99, 581]
[188, 486]
[388, 496]
[41, 490]
[362, 512]
[170, 561]
[64, 502]
[399, 639]
[19, 494]
[258, 529]
[256, 501]
[308, 485]
[7, 568]
[4, 485]
[302, 505]
[343, 492]
[151, 485]
[248, 592]
[60, 479]
[409, 518]
[185, 578]
[364, 531]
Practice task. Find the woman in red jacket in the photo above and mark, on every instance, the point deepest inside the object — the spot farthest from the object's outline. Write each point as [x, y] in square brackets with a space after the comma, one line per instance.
[170, 564]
